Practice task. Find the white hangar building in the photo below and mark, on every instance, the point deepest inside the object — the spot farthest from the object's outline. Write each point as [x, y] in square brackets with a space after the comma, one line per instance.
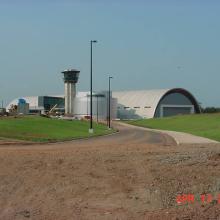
[124, 105]
[155, 103]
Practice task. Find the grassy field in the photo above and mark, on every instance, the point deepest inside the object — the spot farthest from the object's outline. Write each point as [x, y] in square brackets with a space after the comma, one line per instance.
[40, 129]
[205, 125]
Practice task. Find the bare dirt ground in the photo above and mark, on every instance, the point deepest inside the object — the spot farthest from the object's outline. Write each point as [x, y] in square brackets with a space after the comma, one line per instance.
[134, 174]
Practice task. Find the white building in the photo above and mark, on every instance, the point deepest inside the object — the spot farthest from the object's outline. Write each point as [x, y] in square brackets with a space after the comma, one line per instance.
[81, 104]
[124, 105]
[155, 103]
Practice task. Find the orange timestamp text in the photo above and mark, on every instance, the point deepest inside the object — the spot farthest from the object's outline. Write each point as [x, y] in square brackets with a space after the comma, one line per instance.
[182, 199]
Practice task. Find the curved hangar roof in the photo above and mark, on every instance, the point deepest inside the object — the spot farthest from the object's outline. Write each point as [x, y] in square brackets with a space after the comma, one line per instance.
[150, 99]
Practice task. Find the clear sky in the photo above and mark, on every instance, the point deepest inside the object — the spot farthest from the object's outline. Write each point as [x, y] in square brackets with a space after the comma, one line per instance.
[143, 44]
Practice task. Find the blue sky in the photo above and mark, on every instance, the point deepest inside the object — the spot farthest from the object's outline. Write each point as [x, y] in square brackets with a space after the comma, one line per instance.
[142, 44]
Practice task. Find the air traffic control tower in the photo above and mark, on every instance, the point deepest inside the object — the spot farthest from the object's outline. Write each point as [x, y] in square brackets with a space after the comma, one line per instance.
[70, 79]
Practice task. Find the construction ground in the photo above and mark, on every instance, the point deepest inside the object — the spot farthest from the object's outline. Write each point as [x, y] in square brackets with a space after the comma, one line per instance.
[134, 174]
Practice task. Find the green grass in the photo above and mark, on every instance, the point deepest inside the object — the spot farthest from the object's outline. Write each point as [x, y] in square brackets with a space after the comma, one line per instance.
[204, 125]
[41, 129]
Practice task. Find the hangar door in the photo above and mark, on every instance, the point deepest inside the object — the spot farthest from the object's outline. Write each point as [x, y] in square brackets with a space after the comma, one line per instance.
[167, 111]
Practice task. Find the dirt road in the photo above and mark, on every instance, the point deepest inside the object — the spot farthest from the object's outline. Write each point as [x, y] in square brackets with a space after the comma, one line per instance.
[134, 174]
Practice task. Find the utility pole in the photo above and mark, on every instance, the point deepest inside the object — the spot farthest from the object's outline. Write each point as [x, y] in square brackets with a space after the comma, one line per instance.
[91, 127]
[109, 101]
[97, 108]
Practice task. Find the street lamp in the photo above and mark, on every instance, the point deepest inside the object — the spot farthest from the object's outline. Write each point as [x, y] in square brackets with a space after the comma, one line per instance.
[109, 101]
[91, 128]
[97, 108]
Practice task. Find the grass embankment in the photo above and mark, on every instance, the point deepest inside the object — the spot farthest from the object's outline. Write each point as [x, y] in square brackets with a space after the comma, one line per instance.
[40, 129]
[204, 125]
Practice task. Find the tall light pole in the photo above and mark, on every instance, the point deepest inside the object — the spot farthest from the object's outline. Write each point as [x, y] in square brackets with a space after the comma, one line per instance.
[109, 101]
[91, 127]
[97, 108]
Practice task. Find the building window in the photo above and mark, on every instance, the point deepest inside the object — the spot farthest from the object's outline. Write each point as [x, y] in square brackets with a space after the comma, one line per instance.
[147, 106]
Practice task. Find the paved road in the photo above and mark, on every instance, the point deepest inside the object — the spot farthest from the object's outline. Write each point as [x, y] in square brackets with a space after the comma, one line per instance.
[181, 137]
[135, 135]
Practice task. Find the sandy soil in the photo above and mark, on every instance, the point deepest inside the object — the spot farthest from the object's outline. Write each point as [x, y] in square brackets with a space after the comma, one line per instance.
[134, 174]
